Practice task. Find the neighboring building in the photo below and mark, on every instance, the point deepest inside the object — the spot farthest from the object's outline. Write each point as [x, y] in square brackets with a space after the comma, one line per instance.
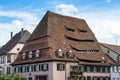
[62, 48]
[9, 52]
[113, 51]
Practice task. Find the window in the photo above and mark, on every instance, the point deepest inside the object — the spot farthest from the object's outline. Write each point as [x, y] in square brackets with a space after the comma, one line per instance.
[44, 67]
[30, 54]
[91, 68]
[27, 68]
[30, 68]
[95, 69]
[106, 69]
[24, 69]
[60, 67]
[30, 78]
[59, 53]
[70, 54]
[37, 53]
[115, 69]
[23, 56]
[88, 68]
[119, 68]
[37, 67]
[8, 70]
[16, 69]
[8, 58]
[98, 69]
[18, 49]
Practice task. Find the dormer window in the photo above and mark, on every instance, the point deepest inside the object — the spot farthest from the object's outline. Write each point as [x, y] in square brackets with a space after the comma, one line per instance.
[70, 54]
[103, 60]
[59, 53]
[37, 53]
[30, 54]
[23, 55]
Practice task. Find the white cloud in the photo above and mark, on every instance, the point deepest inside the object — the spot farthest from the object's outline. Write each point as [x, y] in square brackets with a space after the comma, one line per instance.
[104, 23]
[19, 20]
[67, 9]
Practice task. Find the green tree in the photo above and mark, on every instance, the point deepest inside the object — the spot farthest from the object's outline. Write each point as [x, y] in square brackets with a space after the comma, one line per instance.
[11, 77]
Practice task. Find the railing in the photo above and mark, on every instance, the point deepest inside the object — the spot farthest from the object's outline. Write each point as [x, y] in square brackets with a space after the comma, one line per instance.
[76, 72]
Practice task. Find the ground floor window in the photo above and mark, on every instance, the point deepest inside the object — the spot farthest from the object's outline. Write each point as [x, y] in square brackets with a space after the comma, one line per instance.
[8, 70]
[30, 78]
[41, 78]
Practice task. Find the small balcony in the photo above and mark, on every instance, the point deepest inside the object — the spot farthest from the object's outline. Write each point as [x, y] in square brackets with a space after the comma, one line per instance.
[76, 70]
[76, 73]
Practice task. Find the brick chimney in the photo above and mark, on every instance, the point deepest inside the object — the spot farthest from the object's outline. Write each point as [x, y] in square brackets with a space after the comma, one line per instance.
[11, 35]
[22, 31]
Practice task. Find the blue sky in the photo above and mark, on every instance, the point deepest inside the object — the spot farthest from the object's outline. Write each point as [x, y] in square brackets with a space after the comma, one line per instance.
[102, 16]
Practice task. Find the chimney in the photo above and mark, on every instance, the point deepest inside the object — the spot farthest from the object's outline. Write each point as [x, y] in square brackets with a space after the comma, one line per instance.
[22, 31]
[11, 35]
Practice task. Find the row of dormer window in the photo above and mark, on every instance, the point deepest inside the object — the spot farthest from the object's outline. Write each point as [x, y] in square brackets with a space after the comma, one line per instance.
[60, 54]
[31, 55]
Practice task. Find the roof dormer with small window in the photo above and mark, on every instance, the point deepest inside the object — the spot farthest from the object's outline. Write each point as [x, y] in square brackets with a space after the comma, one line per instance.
[59, 53]
[37, 53]
[23, 55]
[30, 54]
[70, 54]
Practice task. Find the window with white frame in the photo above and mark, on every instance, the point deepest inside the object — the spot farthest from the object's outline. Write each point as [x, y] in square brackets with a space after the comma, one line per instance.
[115, 69]
[88, 68]
[8, 70]
[24, 68]
[30, 54]
[23, 55]
[8, 58]
[119, 68]
[37, 53]
[37, 67]
[60, 66]
[30, 68]
[44, 67]
[59, 53]
[16, 69]
[95, 68]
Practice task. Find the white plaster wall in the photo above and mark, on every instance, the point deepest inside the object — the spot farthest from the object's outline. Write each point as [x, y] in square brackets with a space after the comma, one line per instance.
[14, 49]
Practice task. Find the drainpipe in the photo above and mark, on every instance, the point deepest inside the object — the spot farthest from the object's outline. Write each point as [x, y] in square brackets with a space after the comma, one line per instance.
[65, 71]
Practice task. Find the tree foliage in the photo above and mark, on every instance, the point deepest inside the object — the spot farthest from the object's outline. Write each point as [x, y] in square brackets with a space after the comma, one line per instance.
[11, 77]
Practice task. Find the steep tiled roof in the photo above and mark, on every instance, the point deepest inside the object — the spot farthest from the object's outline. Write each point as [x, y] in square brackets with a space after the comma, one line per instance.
[56, 31]
[20, 37]
[115, 48]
